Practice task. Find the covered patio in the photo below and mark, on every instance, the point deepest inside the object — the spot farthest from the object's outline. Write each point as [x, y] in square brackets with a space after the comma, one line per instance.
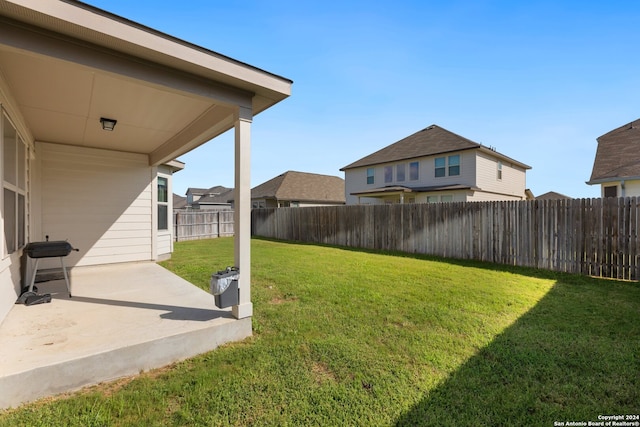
[121, 320]
[94, 111]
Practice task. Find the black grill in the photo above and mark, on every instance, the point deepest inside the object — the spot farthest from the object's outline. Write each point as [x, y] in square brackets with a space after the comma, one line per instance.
[36, 250]
[48, 249]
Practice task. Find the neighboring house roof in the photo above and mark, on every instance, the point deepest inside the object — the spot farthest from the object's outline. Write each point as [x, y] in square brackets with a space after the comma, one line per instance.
[198, 191]
[208, 192]
[221, 195]
[429, 141]
[618, 155]
[179, 202]
[302, 186]
[552, 195]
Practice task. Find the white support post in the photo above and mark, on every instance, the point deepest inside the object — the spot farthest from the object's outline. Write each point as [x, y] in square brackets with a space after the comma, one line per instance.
[242, 211]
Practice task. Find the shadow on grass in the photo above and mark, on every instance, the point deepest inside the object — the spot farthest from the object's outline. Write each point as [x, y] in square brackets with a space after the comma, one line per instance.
[572, 357]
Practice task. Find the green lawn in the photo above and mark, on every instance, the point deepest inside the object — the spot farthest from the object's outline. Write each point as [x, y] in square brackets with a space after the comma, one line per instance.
[345, 337]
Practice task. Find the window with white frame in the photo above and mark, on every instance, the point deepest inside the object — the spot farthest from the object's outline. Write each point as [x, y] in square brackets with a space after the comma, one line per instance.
[163, 203]
[454, 165]
[14, 183]
[499, 170]
[370, 175]
[414, 171]
[441, 166]
[447, 166]
[400, 169]
[388, 174]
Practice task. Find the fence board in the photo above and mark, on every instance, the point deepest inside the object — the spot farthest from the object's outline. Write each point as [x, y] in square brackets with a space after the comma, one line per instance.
[203, 224]
[596, 237]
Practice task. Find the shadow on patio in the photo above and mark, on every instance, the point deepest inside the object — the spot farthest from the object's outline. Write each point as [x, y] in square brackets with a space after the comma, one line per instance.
[122, 319]
[572, 357]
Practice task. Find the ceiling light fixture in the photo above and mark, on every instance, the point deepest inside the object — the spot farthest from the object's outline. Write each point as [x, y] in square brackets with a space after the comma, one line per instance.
[108, 124]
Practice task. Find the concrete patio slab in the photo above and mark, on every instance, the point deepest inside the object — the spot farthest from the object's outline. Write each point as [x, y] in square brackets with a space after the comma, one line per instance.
[122, 319]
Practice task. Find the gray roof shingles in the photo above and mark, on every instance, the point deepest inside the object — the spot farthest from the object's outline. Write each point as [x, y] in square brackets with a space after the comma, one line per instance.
[618, 154]
[302, 186]
[429, 141]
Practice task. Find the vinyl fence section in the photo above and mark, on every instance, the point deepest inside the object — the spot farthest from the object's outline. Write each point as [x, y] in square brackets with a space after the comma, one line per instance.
[597, 237]
[191, 225]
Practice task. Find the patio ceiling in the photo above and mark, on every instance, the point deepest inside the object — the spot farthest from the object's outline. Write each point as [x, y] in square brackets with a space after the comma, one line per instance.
[68, 64]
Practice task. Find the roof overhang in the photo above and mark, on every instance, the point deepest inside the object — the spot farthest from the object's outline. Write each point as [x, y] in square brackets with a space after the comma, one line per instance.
[66, 64]
[502, 157]
[396, 189]
[621, 179]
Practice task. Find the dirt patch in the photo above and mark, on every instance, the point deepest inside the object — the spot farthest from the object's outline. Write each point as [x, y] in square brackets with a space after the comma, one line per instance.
[322, 373]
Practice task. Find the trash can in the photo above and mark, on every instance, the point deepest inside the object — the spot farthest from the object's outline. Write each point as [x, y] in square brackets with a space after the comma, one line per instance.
[224, 287]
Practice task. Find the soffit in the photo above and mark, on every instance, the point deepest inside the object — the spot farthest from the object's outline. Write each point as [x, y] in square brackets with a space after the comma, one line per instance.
[64, 81]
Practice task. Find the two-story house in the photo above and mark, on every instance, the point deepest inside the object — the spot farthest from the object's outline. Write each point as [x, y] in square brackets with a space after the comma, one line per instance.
[616, 167]
[434, 165]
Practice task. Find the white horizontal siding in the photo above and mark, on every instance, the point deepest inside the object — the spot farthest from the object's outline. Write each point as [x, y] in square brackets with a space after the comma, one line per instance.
[631, 189]
[99, 200]
[356, 179]
[165, 243]
[513, 182]
[481, 196]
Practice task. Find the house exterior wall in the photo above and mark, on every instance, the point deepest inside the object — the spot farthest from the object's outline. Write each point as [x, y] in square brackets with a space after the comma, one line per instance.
[476, 169]
[356, 179]
[11, 262]
[512, 184]
[165, 238]
[631, 188]
[100, 200]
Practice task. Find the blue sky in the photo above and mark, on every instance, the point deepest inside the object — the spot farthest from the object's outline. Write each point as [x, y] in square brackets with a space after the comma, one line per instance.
[538, 80]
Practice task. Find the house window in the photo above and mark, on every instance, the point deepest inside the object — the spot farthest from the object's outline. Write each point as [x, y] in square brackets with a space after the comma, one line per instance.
[414, 171]
[432, 199]
[163, 203]
[454, 165]
[400, 172]
[445, 199]
[499, 171]
[611, 191]
[440, 167]
[370, 175]
[388, 174]
[14, 184]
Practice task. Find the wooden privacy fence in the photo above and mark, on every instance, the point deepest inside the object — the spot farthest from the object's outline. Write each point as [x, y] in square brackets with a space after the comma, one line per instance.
[597, 237]
[193, 225]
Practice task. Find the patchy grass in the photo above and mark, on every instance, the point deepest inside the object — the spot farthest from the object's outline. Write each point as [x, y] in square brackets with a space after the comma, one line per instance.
[346, 337]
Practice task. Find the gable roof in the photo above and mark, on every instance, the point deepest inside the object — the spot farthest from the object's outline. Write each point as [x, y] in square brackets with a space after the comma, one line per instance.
[216, 195]
[301, 186]
[618, 154]
[429, 141]
[552, 195]
[179, 202]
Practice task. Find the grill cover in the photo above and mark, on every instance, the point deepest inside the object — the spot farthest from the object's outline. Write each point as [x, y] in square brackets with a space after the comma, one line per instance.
[48, 249]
